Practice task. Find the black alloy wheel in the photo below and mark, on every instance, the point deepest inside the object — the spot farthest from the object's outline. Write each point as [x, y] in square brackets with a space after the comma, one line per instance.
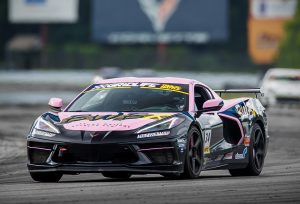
[257, 154]
[194, 156]
[258, 149]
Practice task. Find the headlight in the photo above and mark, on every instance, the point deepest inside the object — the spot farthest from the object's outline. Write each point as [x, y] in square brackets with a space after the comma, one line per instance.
[44, 128]
[162, 125]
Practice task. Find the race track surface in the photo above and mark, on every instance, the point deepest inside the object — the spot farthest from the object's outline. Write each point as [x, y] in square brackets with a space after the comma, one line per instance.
[279, 182]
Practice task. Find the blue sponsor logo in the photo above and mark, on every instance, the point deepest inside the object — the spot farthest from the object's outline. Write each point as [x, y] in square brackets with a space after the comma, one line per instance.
[243, 155]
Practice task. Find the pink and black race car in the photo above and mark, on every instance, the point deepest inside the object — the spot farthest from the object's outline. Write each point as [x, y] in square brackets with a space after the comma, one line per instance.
[175, 127]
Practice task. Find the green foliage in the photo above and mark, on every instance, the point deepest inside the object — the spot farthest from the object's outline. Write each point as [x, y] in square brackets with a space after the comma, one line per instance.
[289, 53]
[177, 57]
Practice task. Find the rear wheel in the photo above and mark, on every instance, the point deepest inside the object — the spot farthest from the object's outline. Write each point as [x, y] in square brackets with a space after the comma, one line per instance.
[117, 175]
[194, 154]
[256, 155]
[46, 176]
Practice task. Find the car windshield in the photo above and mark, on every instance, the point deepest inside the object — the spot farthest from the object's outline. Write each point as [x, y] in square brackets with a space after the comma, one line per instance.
[295, 78]
[132, 97]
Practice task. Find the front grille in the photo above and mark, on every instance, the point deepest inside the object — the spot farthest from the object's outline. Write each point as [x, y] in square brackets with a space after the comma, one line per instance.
[159, 153]
[37, 156]
[40, 144]
[94, 153]
[155, 145]
[38, 152]
[163, 156]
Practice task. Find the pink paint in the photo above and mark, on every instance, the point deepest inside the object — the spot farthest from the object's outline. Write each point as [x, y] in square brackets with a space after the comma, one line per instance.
[191, 98]
[239, 124]
[171, 80]
[230, 103]
[85, 124]
[56, 102]
[212, 103]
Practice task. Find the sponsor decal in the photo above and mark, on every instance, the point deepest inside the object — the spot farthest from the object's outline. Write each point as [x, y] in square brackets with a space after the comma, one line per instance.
[181, 143]
[245, 111]
[43, 133]
[243, 155]
[91, 125]
[142, 85]
[207, 137]
[112, 125]
[170, 87]
[159, 12]
[117, 117]
[153, 134]
[123, 85]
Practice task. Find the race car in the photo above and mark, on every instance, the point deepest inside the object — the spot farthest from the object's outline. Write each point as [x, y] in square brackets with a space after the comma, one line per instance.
[175, 127]
[281, 86]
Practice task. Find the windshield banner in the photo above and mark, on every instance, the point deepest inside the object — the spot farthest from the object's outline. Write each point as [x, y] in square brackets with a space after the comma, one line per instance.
[179, 88]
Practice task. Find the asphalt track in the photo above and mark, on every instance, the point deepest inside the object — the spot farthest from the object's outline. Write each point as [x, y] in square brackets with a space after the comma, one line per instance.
[278, 183]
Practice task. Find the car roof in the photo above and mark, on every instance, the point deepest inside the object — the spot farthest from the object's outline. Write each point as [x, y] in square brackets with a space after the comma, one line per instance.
[171, 80]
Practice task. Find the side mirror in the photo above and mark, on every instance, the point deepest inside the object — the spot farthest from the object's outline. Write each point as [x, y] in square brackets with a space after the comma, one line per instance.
[212, 105]
[55, 104]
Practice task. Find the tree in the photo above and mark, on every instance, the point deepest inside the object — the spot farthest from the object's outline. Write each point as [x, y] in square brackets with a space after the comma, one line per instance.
[289, 53]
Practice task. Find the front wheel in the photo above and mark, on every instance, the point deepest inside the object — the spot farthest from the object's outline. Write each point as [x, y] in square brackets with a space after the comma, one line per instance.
[51, 177]
[194, 154]
[256, 155]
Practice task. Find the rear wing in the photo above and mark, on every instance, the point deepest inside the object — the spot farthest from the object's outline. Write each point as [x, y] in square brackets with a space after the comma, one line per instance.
[236, 93]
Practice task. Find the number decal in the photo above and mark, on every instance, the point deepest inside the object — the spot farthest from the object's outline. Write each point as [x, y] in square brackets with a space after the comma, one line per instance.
[207, 136]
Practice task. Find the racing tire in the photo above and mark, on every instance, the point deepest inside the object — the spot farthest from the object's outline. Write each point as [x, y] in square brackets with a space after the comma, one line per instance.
[47, 177]
[117, 175]
[256, 155]
[194, 155]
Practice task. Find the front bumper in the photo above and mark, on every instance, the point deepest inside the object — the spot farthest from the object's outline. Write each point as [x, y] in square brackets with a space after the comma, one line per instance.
[71, 158]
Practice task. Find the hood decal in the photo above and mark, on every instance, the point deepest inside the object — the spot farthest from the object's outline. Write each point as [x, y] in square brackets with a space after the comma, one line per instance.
[108, 121]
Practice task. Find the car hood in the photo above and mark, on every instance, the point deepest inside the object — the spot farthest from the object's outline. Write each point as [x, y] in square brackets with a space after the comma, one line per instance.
[110, 121]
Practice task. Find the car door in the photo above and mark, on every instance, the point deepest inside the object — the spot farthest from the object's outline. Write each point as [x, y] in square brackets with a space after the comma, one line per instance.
[210, 122]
